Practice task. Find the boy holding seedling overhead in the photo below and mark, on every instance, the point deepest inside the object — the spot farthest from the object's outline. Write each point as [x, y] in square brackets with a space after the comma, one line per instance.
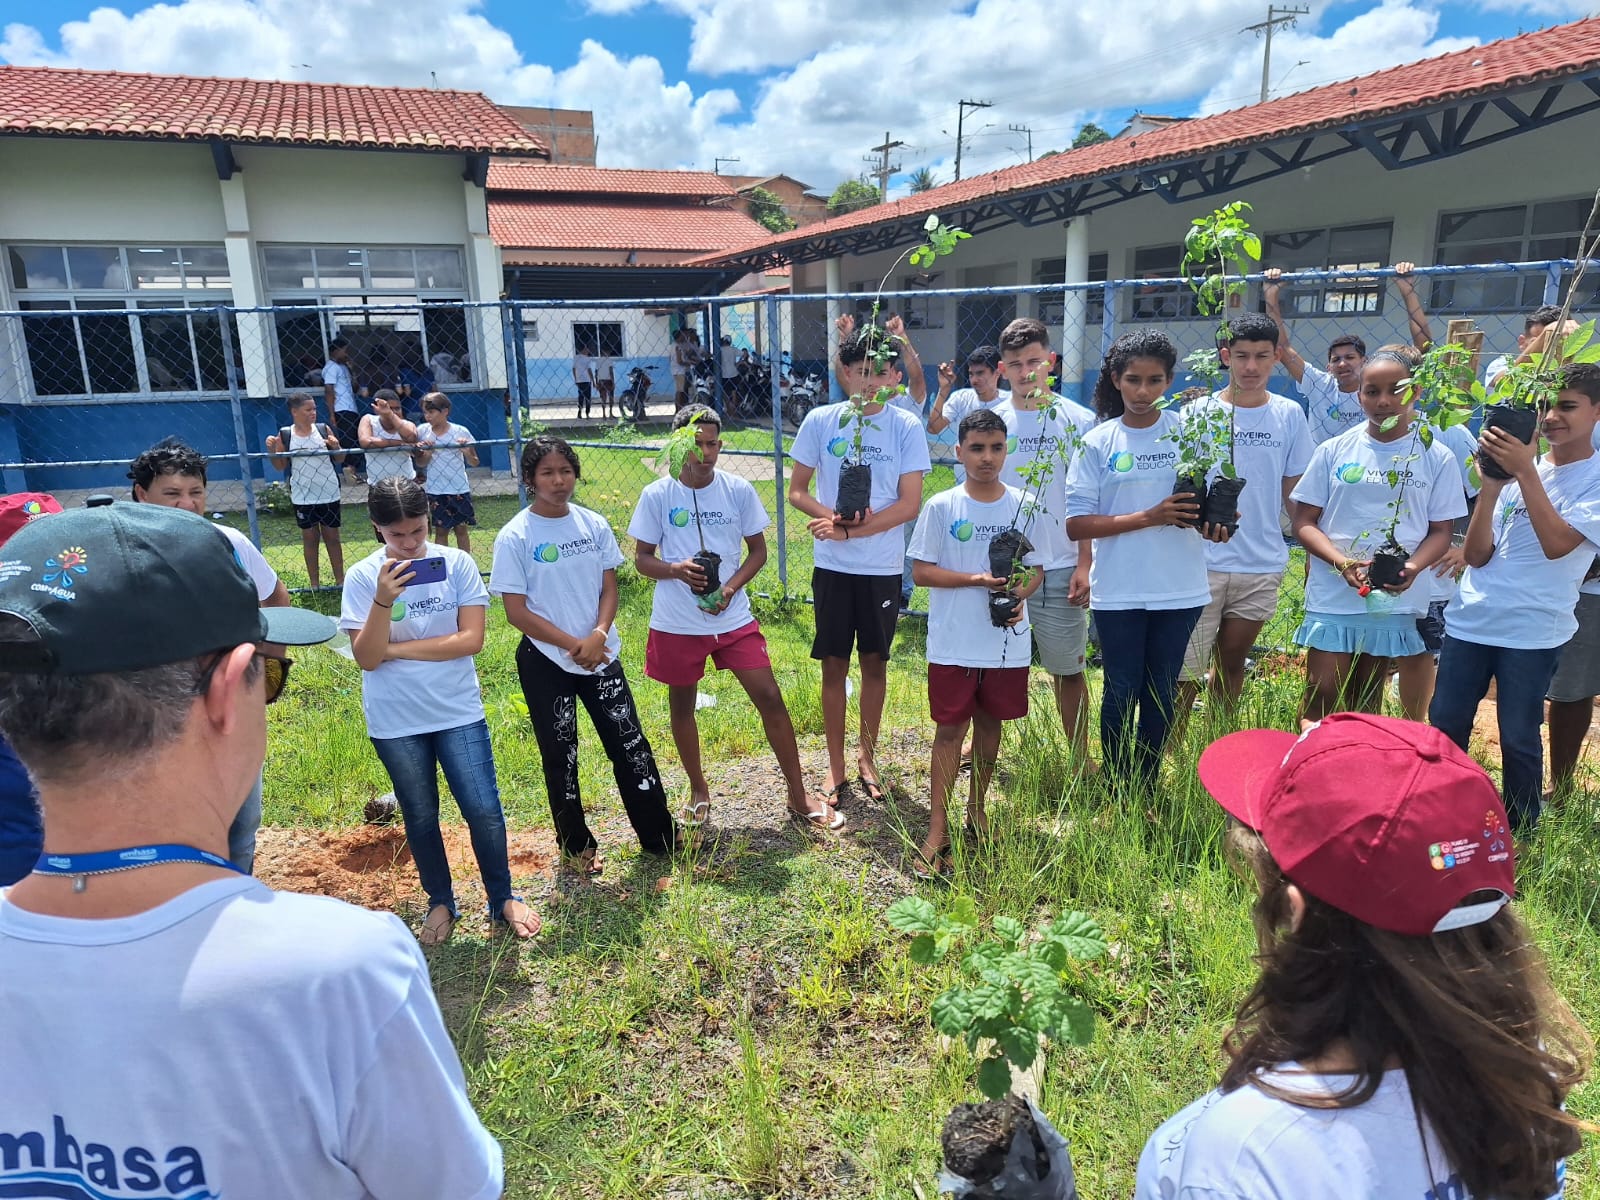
[979, 643]
[1271, 445]
[855, 583]
[1529, 544]
[1047, 431]
[688, 529]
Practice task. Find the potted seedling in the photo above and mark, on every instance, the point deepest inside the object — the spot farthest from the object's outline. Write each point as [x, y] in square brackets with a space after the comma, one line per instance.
[1218, 252]
[677, 448]
[1525, 389]
[1199, 437]
[855, 478]
[1015, 996]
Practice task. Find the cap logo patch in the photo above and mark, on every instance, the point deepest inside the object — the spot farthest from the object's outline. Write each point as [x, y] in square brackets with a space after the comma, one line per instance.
[1446, 855]
[62, 572]
[1494, 834]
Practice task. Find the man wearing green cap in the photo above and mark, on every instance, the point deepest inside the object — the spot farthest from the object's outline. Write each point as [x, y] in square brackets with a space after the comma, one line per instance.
[189, 1031]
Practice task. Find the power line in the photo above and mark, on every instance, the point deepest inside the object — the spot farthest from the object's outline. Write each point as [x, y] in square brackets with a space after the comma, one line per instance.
[961, 116]
[1275, 16]
[1029, 132]
[884, 170]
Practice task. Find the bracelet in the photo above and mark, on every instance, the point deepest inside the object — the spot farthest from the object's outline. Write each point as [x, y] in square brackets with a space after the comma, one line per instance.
[602, 632]
[846, 529]
[381, 604]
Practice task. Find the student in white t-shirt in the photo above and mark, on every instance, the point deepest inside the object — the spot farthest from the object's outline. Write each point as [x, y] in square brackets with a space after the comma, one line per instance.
[706, 510]
[977, 671]
[855, 583]
[1529, 545]
[388, 438]
[605, 383]
[583, 376]
[1271, 447]
[449, 453]
[415, 643]
[344, 410]
[913, 397]
[555, 568]
[1333, 396]
[1355, 486]
[982, 391]
[173, 475]
[298, 1045]
[1402, 1038]
[1046, 433]
[1148, 582]
[310, 455]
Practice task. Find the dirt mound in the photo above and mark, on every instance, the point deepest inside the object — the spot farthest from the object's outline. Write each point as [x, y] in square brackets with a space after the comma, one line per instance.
[372, 866]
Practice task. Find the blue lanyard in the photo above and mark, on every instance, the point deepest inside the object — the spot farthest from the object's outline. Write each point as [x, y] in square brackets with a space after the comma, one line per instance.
[106, 862]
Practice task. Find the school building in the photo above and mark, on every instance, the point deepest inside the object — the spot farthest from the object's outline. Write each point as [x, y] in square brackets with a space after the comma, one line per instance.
[1480, 156]
[126, 193]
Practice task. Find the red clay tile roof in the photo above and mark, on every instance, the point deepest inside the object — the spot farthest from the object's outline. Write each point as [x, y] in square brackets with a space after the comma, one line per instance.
[610, 181]
[565, 224]
[1497, 67]
[48, 101]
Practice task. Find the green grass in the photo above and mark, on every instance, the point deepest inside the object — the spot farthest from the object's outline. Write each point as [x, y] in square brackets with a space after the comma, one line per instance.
[754, 1029]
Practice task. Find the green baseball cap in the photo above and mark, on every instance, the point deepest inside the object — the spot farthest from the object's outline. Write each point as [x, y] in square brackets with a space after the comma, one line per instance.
[130, 586]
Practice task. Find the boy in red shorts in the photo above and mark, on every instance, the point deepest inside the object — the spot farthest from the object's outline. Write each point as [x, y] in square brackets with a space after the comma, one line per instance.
[686, 627]
[977, 671]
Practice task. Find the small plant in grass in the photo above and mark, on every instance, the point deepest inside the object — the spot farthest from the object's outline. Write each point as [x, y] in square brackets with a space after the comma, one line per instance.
[1218, 252]
[677, 448]
[855, 479]
[274, 499]
[1518, 396]
[1018, 986]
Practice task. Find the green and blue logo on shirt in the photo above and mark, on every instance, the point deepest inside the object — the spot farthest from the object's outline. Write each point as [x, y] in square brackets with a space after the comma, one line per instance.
[546, 552]
[1351, 472]
[679, 517]
[1121, 462]
[839, 447]
[961, 529]
[1011, 444]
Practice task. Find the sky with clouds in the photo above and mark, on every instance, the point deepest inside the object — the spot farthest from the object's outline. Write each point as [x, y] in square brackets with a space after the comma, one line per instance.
[804, 87]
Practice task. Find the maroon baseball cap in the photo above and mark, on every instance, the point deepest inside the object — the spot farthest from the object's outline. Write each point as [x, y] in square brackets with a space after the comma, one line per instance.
[1383, 819]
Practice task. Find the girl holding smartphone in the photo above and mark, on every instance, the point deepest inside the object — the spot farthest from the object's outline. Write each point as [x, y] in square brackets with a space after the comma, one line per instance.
[415, 614]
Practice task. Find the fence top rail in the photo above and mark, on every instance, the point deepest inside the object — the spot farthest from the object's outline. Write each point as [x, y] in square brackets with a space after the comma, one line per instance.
[1500, 267]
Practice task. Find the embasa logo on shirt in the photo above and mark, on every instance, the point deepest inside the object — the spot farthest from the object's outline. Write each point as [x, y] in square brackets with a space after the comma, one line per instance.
[549, 552]
[89, 1171]
[1124, 461]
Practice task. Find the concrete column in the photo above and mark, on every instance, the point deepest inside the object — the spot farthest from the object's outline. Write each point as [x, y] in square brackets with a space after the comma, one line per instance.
[835, 285]
[485, 281]
[1027, 302]
[1075, 309]
[255, 329]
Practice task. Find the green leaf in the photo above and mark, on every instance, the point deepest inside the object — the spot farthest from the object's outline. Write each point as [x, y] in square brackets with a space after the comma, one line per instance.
[1589, 354]
[963, 912]
[1076, 1021]
[1020, 1046]
[1389, 423]
[952, 1012]
[1080, 933]
[1577, 340]
[994, 1077]
[1229, 471]
[912, 914]
[1425, 435]
[1252, 246]
[1009, 929]
[925, 949]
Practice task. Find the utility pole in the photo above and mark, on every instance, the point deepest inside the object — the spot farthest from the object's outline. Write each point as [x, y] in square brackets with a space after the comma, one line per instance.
[884, 170]
[1029, 132]
[1275, 16]
[961, 116]
[716, 164]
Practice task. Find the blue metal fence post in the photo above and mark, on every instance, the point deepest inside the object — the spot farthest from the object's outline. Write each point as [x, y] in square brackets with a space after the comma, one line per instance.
[780, 497]
[714, 349]
[225, 328]
[1108, 328]
[1552, 283]
[516, 387]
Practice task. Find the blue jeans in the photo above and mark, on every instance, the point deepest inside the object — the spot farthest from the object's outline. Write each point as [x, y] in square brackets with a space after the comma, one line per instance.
[1521, 679]
[242, 833]
[1141, 652]
[413, 764]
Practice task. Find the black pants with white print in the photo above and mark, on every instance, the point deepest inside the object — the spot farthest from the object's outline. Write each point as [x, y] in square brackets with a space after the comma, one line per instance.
[552, 695]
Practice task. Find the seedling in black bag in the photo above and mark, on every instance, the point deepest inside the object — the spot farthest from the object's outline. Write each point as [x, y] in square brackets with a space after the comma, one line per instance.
[680, 444]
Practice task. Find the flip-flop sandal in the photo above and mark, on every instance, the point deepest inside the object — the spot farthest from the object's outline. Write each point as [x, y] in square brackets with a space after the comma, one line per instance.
[588, 863]
[519, 927]
[874, 789]
[934, 871]
[828, 817]
[697, 814]
[437, 933]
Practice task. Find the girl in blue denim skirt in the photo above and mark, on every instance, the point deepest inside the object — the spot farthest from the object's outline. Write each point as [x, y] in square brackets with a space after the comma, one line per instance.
[415, 636]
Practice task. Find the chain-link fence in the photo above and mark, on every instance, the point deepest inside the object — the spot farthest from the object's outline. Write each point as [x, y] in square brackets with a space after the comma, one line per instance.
[88, 384]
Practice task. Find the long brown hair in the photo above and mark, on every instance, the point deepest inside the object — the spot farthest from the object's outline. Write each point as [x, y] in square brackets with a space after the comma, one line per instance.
[1489, 1049]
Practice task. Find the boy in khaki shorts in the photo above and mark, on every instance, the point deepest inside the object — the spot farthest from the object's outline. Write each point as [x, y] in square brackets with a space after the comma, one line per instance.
[1271, 447]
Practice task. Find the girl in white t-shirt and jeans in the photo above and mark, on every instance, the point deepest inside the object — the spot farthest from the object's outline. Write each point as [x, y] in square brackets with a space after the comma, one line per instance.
[1147, 584]
[1402, 1038]
[555, 567]
[415, 643]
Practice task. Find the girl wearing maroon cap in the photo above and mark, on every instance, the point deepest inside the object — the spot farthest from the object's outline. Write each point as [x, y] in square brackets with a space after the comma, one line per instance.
[1403, 1039]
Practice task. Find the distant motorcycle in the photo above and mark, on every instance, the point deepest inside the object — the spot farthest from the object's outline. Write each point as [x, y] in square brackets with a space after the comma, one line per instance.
[632, 401]
[703, 390]
[796, 400]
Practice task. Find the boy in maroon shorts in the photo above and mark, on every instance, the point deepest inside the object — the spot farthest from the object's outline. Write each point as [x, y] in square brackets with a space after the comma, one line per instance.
[673, 519]
[977, 671]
